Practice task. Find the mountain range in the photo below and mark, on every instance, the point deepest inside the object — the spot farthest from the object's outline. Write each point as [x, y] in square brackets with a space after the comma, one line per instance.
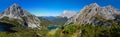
[92, 21]
[56, 19]
[61, 19]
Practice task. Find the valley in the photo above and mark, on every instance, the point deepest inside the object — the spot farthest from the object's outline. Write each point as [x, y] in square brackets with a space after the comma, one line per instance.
[93, 20]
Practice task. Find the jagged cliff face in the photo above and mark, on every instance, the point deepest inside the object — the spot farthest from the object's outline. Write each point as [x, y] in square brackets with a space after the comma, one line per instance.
[24, 17]
[94, 14]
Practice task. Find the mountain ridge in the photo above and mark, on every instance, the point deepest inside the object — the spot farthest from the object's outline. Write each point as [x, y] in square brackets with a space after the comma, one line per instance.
[16, 12]
[94, 14]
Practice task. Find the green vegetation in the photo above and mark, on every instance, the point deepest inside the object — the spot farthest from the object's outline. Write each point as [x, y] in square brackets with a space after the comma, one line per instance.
[71, 30]
[68, 31]
[87, 31]
[23, 31]
[20, 31]
[100, 31]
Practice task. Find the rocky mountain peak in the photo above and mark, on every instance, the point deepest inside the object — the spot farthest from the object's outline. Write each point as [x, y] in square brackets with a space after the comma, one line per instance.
[94, 14]
[16, 12]
[94, 4]
[15, 5]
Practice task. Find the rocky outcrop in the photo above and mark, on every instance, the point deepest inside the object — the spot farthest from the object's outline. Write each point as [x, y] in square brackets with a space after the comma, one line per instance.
[68, 14]
[25, 18]
[94, 14]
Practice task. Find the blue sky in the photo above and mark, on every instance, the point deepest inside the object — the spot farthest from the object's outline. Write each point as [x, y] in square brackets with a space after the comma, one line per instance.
[55, 7]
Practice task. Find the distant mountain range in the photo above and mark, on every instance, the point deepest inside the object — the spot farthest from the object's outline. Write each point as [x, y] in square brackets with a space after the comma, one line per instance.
[56, 19]
[46, 22]
[61, 19]
[96, 15]
[48, 17]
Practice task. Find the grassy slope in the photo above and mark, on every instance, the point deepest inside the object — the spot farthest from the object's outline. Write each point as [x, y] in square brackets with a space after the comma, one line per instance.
[51, 33]
[22, 31]
[63, 31]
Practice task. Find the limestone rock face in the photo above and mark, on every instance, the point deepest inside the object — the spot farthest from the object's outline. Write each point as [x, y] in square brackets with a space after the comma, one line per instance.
[68, 14]
[94, 14]
[16, 12]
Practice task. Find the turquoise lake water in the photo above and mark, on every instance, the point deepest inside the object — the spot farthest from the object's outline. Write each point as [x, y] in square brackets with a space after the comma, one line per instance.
[52, 27]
